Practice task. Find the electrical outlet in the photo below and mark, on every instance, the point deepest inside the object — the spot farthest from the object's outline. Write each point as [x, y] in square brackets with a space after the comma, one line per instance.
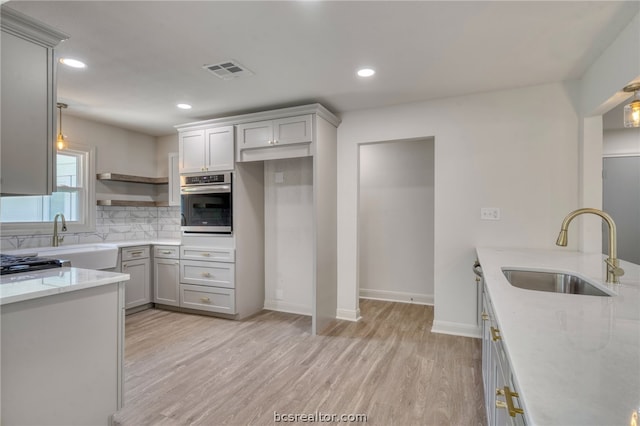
[490, 213]
[279, 294]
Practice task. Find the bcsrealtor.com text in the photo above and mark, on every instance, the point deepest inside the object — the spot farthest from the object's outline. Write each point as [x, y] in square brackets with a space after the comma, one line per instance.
[318, 417]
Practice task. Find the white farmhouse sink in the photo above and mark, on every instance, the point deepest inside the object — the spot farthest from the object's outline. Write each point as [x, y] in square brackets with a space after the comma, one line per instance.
[88, 256]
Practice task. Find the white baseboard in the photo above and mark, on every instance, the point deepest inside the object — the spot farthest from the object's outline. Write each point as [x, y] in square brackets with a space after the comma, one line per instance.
[291, 308]
[397, 296]
[456, 329]
[348, 314]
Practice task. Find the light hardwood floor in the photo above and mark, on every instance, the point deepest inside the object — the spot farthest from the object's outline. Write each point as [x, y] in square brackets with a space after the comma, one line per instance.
[183, 369]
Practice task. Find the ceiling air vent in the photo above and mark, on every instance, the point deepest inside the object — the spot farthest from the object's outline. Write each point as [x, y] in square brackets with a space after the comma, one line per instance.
[228, 70]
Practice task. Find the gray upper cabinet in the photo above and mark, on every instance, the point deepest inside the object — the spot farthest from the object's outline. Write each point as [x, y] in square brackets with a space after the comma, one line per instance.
[206, 150]
[28, 105]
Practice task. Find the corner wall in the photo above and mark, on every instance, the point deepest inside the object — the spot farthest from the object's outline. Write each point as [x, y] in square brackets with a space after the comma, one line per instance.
[491, 150]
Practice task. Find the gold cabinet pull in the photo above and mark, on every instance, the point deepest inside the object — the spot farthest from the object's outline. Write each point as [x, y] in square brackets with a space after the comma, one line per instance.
[485, 316]
[136, 253]
[501, 404]
[206, 274]
[166, 252]
[206, 254]
[495, 334]
[205, 300]
[509, 395]
[499, 392]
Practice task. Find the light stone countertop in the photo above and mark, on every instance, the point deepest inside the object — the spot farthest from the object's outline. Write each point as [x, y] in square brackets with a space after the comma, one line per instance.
[33, 285]
[575, 358]
[157, 242]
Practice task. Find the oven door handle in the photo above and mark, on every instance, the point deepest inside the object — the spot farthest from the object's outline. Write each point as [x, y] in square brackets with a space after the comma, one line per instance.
[217, 189]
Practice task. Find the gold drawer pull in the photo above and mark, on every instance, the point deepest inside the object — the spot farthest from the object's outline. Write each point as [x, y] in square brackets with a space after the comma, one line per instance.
[205, 300]
[206, 254]
[509, 395]
[167, 252]
[495, 334]
[206, 274]
[501, 404]
[499, 392]
[485, 317]
[136, 253]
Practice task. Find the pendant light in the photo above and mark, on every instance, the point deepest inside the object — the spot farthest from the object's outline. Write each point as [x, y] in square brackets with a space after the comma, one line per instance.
[632, 110]
[60, 142]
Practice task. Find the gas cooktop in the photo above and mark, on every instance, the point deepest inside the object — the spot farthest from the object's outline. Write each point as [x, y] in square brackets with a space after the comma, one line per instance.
[10, 264]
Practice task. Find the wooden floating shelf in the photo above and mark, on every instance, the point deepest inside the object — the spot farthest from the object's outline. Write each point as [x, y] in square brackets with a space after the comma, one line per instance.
[132, 203]
[133, 179]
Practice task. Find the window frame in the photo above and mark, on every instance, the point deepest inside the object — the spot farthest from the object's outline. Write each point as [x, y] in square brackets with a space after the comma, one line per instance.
[87, 223]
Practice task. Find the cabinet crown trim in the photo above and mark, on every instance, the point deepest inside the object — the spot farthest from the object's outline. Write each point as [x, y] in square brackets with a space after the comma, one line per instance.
[318, 109]
[21, 25]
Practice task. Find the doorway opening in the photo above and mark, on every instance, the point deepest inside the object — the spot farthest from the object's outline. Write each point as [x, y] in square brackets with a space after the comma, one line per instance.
[396, 221]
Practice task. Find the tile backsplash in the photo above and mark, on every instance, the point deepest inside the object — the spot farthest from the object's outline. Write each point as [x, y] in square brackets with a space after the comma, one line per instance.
[112, 224]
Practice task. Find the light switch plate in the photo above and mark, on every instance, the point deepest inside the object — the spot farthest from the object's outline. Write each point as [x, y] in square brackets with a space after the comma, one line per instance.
[490, 213]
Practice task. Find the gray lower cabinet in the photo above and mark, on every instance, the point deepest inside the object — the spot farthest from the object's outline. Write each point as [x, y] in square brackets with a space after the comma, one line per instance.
[166, 275]
[207, 285]
[137, 263]
[500, 393]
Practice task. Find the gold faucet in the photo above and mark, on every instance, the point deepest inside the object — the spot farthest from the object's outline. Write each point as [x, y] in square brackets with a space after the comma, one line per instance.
[56, 239]
[613, 269]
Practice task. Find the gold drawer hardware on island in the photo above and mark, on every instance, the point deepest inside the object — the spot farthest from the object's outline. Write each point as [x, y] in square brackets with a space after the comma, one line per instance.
[495, 334]
[508, 404]
[205, 300]
[206, 274]
[485, 317]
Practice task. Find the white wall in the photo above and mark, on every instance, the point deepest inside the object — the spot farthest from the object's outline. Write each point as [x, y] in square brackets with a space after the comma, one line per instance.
[621, 142]
[288, 235]
[514, 149]
[164, 146]
[396, 221]
[600, 91]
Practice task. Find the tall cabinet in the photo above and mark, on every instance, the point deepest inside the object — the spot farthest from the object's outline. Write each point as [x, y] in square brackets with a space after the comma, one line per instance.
[310, 132]
[28, 104]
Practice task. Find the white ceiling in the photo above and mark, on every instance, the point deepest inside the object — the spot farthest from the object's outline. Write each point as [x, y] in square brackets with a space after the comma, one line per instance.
[143, 57]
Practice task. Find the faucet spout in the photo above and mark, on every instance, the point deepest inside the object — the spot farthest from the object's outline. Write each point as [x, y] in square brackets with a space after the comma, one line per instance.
[613, 269]
[58, 239]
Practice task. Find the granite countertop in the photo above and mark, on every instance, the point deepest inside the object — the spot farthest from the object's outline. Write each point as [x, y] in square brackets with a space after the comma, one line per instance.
[575, 358]
[32, 285]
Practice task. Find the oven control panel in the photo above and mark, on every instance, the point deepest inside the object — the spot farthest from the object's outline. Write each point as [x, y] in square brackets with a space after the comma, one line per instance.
[205, 179]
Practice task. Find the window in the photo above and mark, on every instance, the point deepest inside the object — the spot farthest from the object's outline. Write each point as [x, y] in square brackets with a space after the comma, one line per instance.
[74, 197]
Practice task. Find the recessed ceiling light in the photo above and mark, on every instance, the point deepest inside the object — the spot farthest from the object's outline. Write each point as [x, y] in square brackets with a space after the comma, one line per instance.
[73, 63]
[184, 106]
[366, 72]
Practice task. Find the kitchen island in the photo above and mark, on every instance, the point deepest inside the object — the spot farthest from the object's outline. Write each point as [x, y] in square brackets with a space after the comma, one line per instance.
[62, 346]
[575, 359]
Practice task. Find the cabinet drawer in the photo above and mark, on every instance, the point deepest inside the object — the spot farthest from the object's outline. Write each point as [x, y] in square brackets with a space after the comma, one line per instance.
[213, 299]
[215, 274]
[208, 254]
[166, 252]
[138, 252]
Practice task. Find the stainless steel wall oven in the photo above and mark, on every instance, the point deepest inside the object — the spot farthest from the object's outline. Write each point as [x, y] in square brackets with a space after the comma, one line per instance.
[206, 203]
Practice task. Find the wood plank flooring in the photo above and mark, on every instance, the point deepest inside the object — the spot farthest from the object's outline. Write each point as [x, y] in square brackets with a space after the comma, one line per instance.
[183, 369]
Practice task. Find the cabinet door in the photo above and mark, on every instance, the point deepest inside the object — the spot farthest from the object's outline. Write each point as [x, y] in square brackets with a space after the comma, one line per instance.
[28, 153]
[219, 149]
[255, 135]
[292, 130]
[166, 277]
[138, 288]
[191, 151]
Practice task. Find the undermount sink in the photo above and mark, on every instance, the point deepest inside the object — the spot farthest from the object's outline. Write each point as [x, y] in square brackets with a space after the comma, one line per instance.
[555, 282]
[88, 256]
